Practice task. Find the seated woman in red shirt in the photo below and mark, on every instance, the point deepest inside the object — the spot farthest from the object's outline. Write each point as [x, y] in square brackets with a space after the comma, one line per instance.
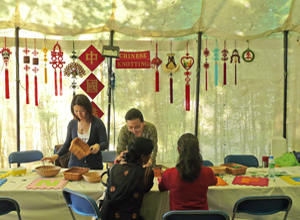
[189, 181]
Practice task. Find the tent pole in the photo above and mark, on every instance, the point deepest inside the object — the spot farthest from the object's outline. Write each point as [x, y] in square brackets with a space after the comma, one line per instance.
[285, 42]
[17, 41]
[111, 42]
[198, 82]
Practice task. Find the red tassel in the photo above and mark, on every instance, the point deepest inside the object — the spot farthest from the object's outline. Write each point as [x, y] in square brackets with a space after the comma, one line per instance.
[55, 82]
[156, 81]
[187, 97]
[36, 91]
[171, 89]
[60, 86]
[206, 80]
[45, 73]
[235, 74]
[224, 77]
[27, 89]
[6, 84]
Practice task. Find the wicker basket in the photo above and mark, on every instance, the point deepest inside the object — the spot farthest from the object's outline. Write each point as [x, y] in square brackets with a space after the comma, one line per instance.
[92, 177]
[79, 148]
[234, 168]
[47, 171]
[218, 170]
[75, 173]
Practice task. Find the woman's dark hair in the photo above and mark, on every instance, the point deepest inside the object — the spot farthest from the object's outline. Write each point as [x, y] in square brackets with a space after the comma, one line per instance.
[83, 101]
[190, 161]
[134, 114]
[136, 148]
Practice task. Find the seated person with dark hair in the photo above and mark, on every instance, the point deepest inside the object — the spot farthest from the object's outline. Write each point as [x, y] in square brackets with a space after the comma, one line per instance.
[137, 127]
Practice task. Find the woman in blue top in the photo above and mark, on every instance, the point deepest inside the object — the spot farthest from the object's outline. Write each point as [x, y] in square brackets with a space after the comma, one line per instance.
[88, 128]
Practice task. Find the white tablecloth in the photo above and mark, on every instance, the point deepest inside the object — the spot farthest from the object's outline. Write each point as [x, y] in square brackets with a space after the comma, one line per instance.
[50, 204]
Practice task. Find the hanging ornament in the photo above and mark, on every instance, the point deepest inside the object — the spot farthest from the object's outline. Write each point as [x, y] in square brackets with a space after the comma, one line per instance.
[216, 52]
[35, 63]
[26, 61]
[57, 62]
[155, 62]
[248, 55]
[74, 69]
[45, 51]
[187, 62]
[224, 58]
[6, 55]
[171, 67]
[236, 58]
[206, 64]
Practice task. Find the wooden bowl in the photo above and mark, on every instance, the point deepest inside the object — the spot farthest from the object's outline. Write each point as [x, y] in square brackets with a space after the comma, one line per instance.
[47, 171]
[92, 177]
[218, 170]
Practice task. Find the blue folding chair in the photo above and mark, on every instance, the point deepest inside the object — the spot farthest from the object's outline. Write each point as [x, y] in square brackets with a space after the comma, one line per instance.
[246, 160]
[25, 156]
[263, 205]
[8, 205]
[196, 215]
[81, 204]
[207, 163]
[108, 157]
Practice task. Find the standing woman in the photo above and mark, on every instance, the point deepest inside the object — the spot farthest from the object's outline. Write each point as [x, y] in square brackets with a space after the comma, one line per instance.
[89, 129]
[128, 182]
[189, 181]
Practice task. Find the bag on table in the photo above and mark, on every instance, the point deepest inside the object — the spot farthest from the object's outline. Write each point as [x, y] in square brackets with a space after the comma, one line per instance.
[286, 160]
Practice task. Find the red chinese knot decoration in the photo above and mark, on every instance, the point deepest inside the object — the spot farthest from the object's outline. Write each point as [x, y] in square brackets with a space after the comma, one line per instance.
[35, 62]
[26, 61]
[248, 55]
[236, 58]
[6, 55]
[206, 64]
[155, 62]
[91, 57]
[224, 58]
[92, 86]
[97, 111]
[57, 62]
[187, 62]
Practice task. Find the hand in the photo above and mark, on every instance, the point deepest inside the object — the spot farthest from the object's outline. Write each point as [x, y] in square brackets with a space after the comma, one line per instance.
[94, 148]
[50, 159]
[147, 165]
[120, 158]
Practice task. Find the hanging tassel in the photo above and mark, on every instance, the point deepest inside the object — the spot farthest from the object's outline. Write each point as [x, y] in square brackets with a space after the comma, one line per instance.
[55, 82]
[60, 86]
[45, 73]
[156, 81]
[216, 74]
[6, 84]
[27, 89]
[235, 73]
[187, 96]
[171, 89]
[224, 76]
[206, 80]
[36, 91]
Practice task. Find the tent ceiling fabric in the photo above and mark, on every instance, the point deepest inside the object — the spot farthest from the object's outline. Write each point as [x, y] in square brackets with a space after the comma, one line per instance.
[230, 19]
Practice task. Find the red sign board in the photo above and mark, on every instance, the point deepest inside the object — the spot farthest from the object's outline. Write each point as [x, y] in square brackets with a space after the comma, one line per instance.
[91, 57]
[96, 110]
[92, 86]
[133, 60]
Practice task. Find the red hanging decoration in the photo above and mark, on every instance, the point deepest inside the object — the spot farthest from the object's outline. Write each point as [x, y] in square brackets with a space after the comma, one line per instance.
[45, 51]
[6, 55]
[171, 67]
[57, 62]
[35, 62]
[26, 61]
[224, 58]
[187, 62]
[236, 57]
[206, 64]
[155, 64]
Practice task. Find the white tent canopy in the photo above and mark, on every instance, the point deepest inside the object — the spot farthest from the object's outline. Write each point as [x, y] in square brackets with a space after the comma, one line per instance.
[233, 119]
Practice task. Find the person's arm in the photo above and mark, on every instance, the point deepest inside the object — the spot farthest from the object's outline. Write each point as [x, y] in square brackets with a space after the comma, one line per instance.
[153, 138]
[163, 184]
[122, 140]
[149, 176]
[100, 135]
[213, 180]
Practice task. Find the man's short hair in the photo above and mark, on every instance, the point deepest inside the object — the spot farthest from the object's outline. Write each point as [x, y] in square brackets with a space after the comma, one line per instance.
[134, 114]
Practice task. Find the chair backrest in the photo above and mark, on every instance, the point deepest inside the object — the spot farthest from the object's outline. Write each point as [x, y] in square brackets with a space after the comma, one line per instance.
[8, 205]
[246, 160]
[108, 156]
[25, 156]
[196, 215]
[207, 163]
[263, 205]
[81, 204]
